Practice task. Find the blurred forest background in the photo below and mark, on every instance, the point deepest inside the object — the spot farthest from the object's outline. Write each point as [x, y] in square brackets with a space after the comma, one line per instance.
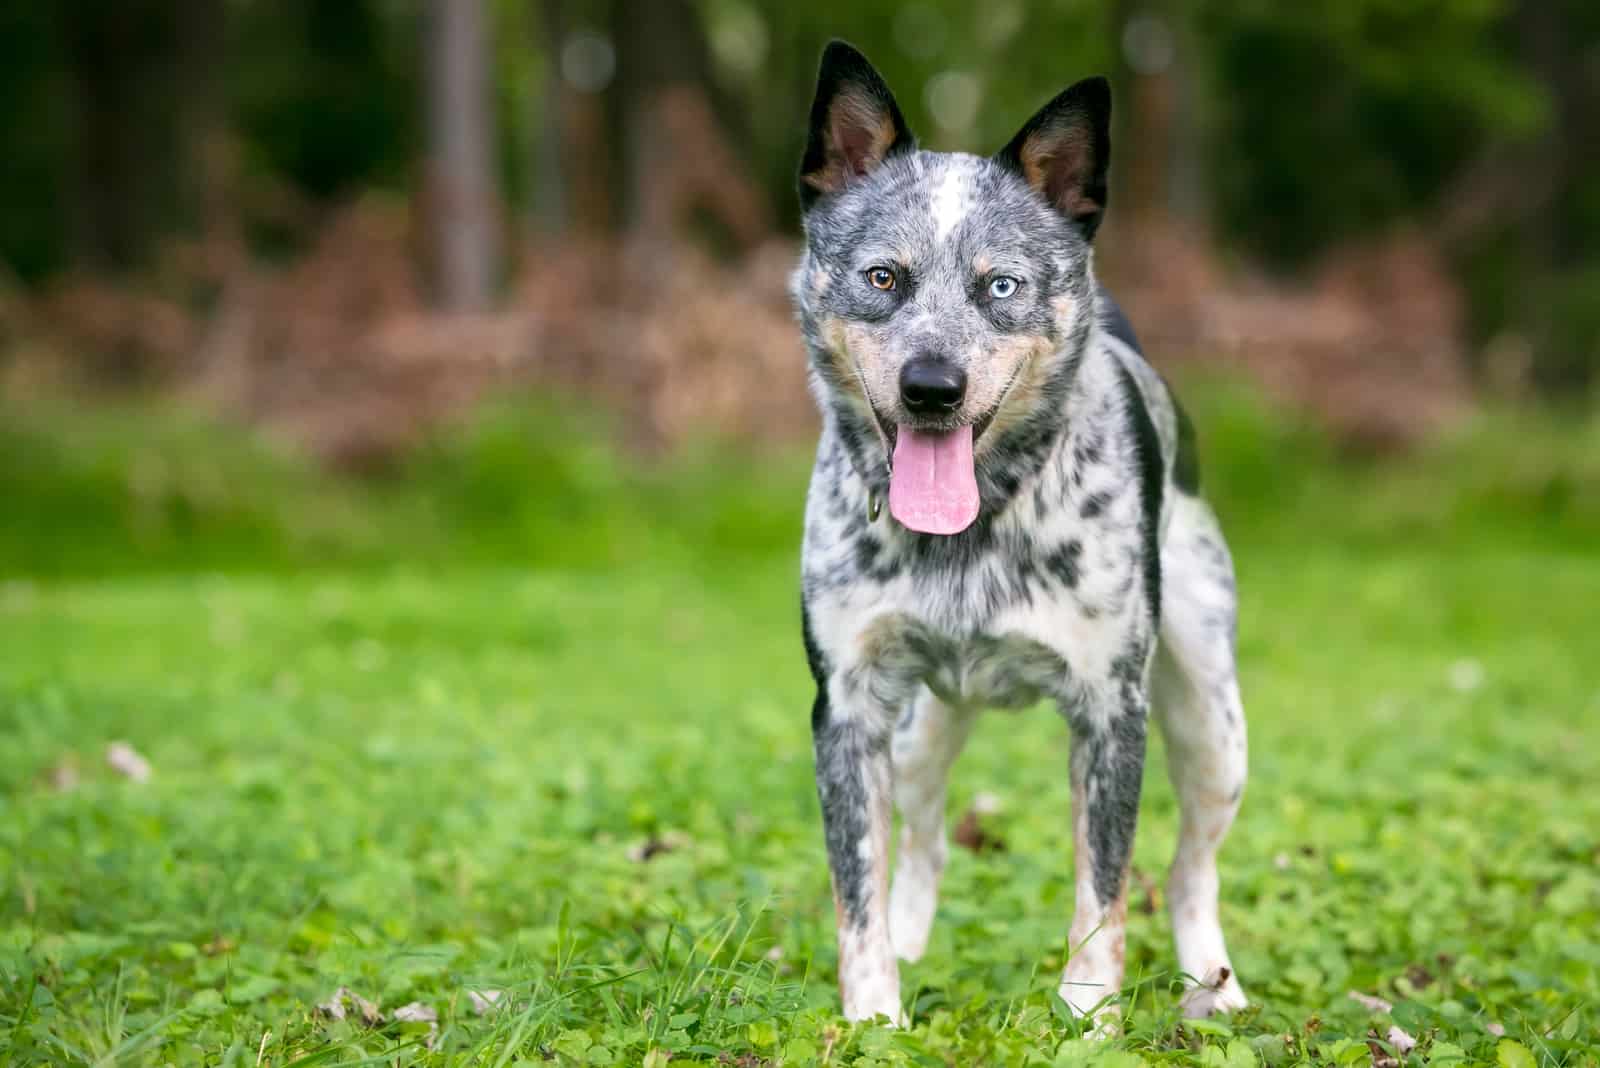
[344, 222]
[403, 441]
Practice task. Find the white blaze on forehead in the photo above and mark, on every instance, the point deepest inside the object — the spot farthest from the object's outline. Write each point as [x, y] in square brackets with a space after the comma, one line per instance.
[952, 200]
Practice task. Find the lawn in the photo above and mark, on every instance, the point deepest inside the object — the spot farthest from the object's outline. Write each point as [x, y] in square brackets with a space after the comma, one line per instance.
[518, 737]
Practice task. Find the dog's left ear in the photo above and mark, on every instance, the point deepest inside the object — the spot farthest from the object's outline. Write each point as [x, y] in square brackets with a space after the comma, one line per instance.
[1064, 151]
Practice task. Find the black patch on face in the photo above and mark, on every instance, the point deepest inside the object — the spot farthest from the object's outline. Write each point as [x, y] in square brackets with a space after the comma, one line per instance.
[1148, 447]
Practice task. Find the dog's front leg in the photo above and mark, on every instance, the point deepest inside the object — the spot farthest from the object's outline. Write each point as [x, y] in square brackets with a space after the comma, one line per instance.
[1107, 768]
[852, 739]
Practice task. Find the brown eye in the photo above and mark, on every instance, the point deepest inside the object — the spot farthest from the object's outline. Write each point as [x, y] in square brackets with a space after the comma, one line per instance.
[881, 278]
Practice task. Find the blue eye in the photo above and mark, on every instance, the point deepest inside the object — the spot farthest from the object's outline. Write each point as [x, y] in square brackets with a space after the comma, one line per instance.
[1003, 287]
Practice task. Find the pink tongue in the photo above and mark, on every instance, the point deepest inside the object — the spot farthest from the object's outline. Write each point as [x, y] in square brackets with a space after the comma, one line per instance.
[933, 488]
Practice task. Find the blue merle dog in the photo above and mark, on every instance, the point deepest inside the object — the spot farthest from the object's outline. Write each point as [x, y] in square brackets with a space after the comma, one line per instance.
[1043, 537]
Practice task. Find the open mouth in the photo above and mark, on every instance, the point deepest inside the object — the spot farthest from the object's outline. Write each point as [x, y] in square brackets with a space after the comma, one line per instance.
[891, 430]
[933, 474]
[933, 481]
[933, 478]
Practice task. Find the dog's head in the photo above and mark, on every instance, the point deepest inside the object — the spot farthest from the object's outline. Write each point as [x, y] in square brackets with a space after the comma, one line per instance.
[946, 298]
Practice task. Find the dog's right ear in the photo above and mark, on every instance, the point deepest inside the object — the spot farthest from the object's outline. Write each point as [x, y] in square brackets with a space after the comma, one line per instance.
[855, 125]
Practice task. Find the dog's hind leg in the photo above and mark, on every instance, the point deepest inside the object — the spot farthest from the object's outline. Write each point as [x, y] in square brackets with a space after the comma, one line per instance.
[927, 741]
[1195, 696]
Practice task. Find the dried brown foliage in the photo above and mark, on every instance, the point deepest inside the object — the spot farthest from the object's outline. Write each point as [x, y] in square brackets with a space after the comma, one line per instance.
[1370, 345]
[339, 350]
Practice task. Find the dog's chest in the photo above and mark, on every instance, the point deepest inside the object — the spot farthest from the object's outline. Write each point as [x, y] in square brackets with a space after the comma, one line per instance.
[1006, 628]
[995, 671]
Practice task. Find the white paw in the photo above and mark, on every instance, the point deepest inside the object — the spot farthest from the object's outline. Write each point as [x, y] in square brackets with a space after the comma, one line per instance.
[910, 919]
[870, 988]
[888, 1014]
[1220, 992]
[1095, 1002]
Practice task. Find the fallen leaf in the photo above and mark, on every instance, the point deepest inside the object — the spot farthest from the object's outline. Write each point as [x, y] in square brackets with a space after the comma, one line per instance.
[970, 834]
[1372, 1004]
[416, 1012]
[648, 849]
[337, 1007]
[655, 845]
[218, 946]
[484, 1001]
[125, 760]
[1419, 976]
[1152, 893]
[64, 776]
[985, 803]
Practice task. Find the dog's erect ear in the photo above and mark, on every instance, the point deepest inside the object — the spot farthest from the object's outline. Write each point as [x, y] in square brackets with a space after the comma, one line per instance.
[1064, 150]
[855, 124]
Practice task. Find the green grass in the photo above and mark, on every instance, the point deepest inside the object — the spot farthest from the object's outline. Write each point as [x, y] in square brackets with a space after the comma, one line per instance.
[408, 738]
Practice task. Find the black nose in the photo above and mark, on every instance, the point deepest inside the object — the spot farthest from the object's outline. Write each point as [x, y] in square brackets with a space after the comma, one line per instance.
[930, 385]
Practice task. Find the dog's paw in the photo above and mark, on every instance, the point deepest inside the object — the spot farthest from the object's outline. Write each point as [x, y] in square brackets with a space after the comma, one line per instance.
[886, 1015]
[910, 921]
[1219, 992]
[1096, 1003]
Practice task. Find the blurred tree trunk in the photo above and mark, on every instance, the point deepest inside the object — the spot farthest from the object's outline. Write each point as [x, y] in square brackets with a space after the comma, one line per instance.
[678, 160]
[121, 60]
[1559, 309]
[1160, 142]
[206, 182]
[460, 188]
[551, 216]
[1188, 196]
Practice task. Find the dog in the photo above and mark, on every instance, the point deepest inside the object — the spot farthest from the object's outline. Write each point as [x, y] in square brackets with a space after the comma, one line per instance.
[1044, 536]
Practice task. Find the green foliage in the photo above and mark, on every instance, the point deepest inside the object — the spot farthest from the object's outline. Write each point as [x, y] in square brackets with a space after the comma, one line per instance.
[1316, 122]
[1402, 93]
[327, 96]
[1006, 58]
[35, 130]
[416, 754]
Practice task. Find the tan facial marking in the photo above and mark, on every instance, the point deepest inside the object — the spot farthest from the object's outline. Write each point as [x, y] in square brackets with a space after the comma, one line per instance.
[1028, 360]
[820, 281]
[1066, 309]
[860, 361]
